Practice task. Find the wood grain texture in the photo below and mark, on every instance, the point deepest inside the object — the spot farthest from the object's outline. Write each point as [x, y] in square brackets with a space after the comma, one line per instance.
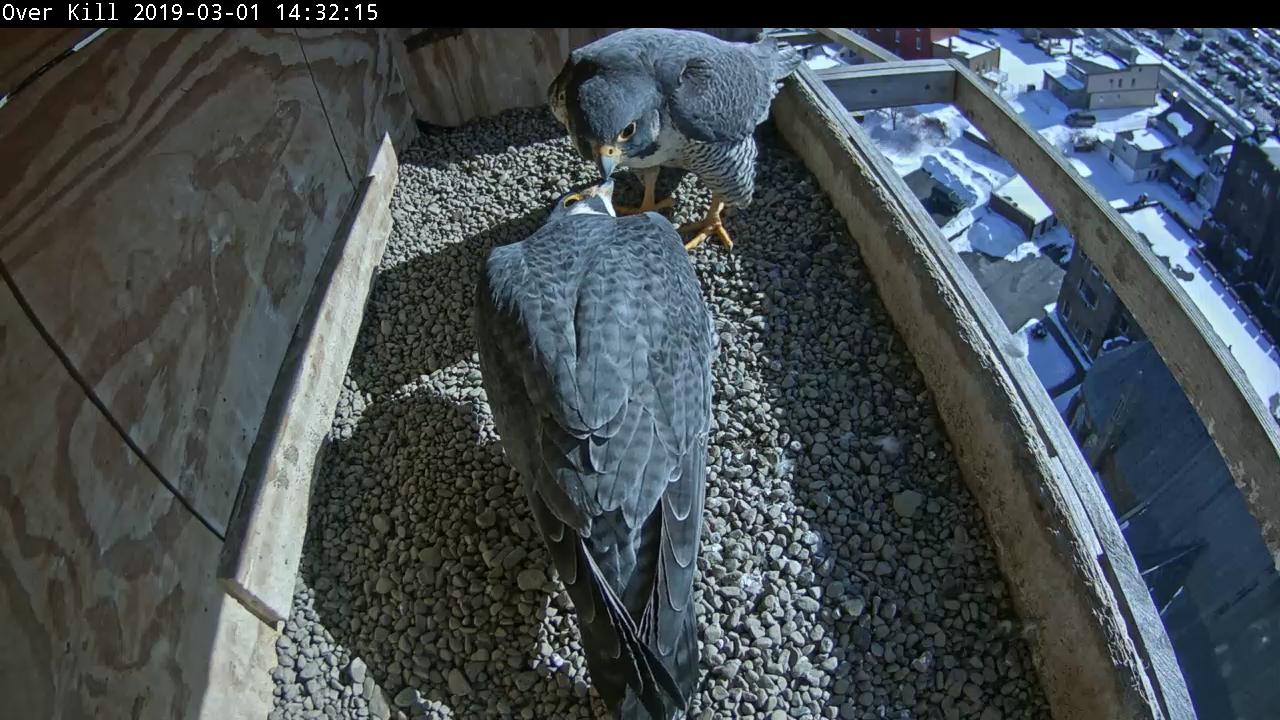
[176, 194]
[22, 52]
[107, 587]
[485, 71]
[362, 91]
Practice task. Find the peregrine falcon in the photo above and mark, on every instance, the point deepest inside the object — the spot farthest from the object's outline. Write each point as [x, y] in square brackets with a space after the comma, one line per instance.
[596, 349]
[651, 98]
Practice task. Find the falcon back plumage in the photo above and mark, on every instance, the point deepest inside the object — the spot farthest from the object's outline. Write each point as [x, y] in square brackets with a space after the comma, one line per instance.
[596, 348]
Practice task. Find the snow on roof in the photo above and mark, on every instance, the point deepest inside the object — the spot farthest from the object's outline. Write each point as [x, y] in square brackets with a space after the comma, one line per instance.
[1180, 124]
[1107, 61]
[964, 47]
[1185, 159]
[1271, 147]
[1144, 57]
[1259, 359]
[1068, 81]
[822, 62]
[1050, 361]
[1148, 140]
[1019, 194]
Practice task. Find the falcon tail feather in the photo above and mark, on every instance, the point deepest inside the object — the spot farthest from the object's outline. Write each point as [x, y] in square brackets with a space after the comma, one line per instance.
[645, 672]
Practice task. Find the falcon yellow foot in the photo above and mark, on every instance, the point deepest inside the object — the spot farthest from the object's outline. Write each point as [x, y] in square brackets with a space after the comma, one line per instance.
[646, 206]
[650, 178]
[710, 225]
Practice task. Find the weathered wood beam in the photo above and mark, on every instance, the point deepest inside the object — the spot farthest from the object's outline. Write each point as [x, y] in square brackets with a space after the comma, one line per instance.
[886, 85]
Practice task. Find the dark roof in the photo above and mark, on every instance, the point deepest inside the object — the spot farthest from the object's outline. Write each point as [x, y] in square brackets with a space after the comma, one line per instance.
[1161, 435]
[1166, 458]
[1060, 33]
[1192, 113]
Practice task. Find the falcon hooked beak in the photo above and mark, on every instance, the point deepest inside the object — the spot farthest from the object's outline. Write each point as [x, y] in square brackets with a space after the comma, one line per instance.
[607, 158]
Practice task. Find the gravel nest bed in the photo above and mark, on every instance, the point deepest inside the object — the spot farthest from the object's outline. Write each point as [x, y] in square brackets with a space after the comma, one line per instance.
[845, 571]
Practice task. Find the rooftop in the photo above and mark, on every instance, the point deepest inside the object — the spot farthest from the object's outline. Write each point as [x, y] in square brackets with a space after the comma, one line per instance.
[1179, 123]
[965, 47]
[1111, 62]
[1146, 140]
[1019, 194]
[1271, 148]
[1187, 160]
[1069, 81]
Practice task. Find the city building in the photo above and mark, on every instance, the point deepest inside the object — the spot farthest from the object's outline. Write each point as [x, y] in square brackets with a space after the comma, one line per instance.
[1195, 542]
[1090, 309]
[1242, 238]
[908, 43]
[980, 56]
[1118, 76]
[1016, 201]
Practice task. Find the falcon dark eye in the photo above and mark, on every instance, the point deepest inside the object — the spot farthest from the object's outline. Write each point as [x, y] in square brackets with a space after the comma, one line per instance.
[627, 132]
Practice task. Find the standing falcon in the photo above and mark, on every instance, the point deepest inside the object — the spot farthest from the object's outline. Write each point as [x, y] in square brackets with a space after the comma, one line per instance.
[595, 350]
[653, 98]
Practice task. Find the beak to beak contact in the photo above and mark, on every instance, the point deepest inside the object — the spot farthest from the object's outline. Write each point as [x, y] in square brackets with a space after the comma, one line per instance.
[607, 157]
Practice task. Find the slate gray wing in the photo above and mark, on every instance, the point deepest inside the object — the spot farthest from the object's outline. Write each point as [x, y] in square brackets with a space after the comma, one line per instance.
[720, 92]
[597, 367]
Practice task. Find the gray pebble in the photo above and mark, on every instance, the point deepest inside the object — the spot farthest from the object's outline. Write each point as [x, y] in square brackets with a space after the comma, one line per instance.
[824, 447]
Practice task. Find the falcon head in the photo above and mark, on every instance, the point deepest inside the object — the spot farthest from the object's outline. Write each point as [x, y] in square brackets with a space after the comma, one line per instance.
[591, 200]
[612, 116]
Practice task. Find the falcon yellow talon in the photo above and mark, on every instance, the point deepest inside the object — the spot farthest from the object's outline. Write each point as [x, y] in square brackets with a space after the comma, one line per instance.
[708, 226]
[650, 178]
[645, 207]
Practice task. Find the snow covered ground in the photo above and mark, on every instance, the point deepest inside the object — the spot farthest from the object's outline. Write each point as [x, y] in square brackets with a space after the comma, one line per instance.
[932, 137]
[1051, 362]
[826, 56]
[1259, 358]
[1023, 64]
[993, 235]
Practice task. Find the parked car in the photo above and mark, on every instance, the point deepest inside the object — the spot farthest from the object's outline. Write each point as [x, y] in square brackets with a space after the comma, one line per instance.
[1169, 94]
[1081, 119]
[1192, 44]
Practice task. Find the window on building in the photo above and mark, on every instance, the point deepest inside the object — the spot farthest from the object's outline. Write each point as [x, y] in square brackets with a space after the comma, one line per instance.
[1066, 311]
[1088, 338]
[897, 36]
[1133, 82]
[1253, 177]
[1093, 270]
[1087, 294]
[1122, 325]
[919, 44]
